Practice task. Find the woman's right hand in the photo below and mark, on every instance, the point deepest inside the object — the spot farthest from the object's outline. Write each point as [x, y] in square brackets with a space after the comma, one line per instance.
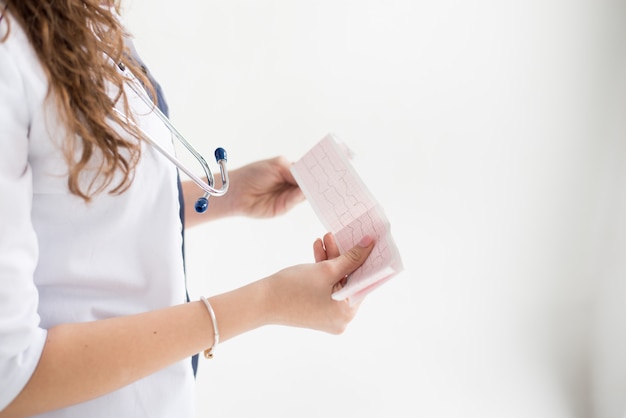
[300, 295]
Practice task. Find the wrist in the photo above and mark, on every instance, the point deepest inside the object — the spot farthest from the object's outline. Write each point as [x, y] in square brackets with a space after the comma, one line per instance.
[241, 310]
[276, 301]
[268, 303]
[226, 205]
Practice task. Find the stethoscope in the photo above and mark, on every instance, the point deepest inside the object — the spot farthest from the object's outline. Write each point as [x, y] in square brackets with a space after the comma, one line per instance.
[220, 153]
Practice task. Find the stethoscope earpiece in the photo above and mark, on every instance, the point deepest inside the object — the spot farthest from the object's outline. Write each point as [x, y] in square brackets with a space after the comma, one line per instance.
[202, 204]
[220, 154]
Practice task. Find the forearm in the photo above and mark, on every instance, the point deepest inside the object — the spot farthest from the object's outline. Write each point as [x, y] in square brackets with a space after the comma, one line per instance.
[82, 361]
[219, 207]
[85, 360]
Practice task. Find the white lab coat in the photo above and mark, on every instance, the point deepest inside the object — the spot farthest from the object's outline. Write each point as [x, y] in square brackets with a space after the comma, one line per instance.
[63, 260]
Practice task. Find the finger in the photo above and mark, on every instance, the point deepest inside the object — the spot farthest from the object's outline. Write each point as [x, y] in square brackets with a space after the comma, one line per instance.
[353, 258]
[318, 251]
[332, 250]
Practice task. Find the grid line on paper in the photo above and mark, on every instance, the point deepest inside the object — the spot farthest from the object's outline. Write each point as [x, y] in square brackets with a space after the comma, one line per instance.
[339, 198]
[347, 209]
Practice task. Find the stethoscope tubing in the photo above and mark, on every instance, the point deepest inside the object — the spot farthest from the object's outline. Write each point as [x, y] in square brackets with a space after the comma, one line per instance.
[220, 153]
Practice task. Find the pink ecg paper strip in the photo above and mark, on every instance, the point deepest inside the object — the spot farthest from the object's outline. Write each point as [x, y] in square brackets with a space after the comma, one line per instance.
[346, 208]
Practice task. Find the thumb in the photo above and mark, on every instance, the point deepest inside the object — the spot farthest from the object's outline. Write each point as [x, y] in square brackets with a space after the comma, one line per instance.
[353, 258]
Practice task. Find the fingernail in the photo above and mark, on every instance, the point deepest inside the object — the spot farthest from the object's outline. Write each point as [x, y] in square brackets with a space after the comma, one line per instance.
[365, 241]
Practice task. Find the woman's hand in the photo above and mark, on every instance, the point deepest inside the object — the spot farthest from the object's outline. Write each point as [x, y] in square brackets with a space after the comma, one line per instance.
[326, 249]
[261, 189]
[301, 295]
[264, 189]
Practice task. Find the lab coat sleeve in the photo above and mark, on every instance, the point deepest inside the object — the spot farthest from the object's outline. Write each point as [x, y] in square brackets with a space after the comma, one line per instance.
[21, 338]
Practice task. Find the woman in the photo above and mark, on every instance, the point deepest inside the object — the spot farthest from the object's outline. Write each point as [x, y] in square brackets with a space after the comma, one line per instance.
[93, 314]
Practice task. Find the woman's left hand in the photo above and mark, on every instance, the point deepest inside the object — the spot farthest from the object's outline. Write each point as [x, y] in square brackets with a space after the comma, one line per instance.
[263, 189]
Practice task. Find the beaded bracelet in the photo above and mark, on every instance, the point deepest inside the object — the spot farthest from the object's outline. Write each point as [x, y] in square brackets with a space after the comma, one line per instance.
[208, 353]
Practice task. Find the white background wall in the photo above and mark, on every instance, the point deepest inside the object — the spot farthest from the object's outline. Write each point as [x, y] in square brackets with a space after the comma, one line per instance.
[491, 131]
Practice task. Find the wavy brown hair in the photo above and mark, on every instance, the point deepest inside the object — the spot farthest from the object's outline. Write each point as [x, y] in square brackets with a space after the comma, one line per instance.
[75, 41]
